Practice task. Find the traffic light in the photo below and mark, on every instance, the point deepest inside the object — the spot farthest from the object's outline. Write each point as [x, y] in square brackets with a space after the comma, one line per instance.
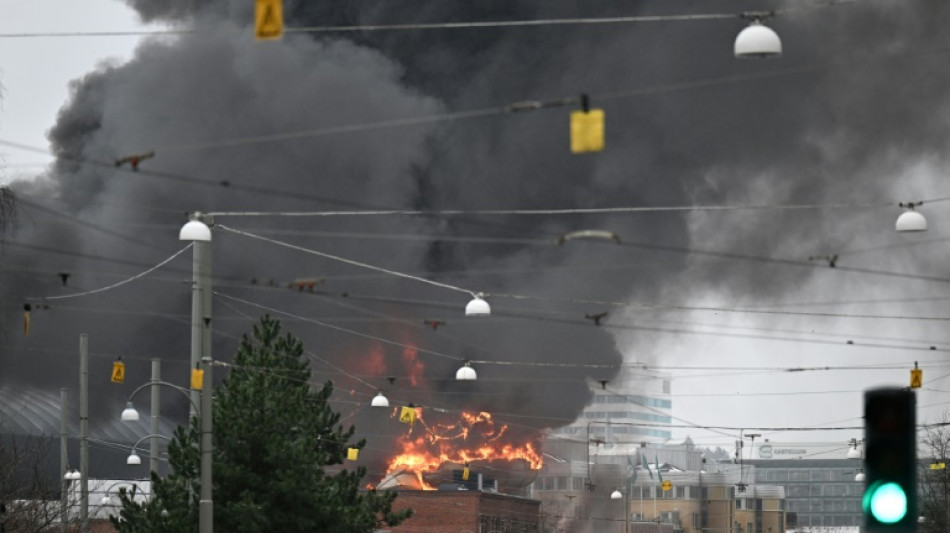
[890, 446]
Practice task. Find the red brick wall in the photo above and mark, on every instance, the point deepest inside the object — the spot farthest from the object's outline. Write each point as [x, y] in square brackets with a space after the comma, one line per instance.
[462, 511]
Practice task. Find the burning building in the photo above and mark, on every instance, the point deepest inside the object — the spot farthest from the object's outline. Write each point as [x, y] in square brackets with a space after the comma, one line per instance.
[473, 451]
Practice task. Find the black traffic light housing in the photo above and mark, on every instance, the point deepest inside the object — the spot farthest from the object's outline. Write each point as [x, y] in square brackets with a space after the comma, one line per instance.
[890, 457]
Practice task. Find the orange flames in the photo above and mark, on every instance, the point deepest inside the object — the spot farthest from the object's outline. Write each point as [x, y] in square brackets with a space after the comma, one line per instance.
[475, 437]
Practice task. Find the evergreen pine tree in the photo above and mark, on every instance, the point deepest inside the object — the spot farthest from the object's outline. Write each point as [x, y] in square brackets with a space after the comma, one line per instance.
[273, 437]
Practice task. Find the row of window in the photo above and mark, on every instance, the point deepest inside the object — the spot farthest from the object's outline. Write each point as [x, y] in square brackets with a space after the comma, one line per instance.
[824, 505]
[853, 490]
[575, 430]
[637, 492]
[767, 474]
[830, 520]
[637, 400]
[601, 415]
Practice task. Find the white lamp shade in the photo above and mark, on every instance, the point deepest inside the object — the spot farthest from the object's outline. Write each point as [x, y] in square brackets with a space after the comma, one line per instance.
[854, 453]
[616, 495]
[195, 230]
[380, 401]
[106, 500]
[72, 475]
[129, 414]
[477, 307]
[859, 476]
[911, 221]
[757, 40]
[466, 373]
[133, 459]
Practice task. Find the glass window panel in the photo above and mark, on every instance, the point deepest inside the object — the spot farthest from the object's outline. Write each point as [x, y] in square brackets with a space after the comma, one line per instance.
[798, 474]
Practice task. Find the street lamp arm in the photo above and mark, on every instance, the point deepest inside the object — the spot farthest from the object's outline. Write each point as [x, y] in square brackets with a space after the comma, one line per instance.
[150, 435]
[164, 384]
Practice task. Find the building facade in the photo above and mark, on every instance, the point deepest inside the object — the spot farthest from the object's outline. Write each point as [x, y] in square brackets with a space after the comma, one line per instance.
[467, 511]
[632, 409]
[819, 492]
[581, 496]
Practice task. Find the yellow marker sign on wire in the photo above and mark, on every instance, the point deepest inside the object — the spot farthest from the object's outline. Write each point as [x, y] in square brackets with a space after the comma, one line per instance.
[916, 378]
[587, 131]
[938, 466]
[407, 415]
[667, 485]
[197, 378]
[465, 473]
[118, 372]
[352, 454]
[268, 19]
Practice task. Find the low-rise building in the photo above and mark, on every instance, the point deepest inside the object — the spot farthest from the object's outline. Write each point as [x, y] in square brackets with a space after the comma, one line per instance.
[467, 511]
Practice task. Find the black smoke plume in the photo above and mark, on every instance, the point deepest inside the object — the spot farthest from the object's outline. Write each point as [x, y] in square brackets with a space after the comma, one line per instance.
[857, 100]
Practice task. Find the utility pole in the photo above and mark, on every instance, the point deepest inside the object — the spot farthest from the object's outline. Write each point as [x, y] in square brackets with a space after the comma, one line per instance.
[84, 432]
[155, 398]
[626, 508]
[752, 437]
[198, 231]
[63, 460]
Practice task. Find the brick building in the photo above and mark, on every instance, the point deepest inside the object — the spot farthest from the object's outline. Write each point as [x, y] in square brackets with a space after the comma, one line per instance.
[467, 511]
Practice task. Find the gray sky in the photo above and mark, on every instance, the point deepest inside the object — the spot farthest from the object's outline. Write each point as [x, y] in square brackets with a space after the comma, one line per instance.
[36, 72]
[710, 291]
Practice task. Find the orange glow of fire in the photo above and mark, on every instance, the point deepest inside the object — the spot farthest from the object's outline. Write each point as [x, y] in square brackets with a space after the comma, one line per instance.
[475, 437]
[414, 366]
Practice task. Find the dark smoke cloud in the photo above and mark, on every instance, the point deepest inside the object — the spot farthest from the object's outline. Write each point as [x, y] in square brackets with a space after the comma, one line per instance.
[861, 114]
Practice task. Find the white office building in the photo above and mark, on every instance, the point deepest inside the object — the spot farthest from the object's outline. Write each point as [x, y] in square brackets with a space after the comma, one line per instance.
[633, 409]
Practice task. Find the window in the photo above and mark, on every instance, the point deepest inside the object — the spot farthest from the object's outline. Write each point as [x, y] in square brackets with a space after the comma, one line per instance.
[798, 474]
[748, 527]
[797, 491]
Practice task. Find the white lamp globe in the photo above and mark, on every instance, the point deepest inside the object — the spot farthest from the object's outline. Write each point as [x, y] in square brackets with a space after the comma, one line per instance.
[757, 40]
[854, 453]
[129, 414]
[616, 495]
[133, 459]
[380, 401]
[477, 307]
[859, 476]
[910, 221]
[466, 373]
[195, 230]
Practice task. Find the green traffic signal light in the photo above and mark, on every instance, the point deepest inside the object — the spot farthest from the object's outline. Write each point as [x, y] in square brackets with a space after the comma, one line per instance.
[886, 502]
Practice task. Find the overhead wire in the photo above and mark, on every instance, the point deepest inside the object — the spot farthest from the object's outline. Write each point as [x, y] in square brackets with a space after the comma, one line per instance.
[549, 211]
[517, 107]
[345, 260]
[514, 362]
[114, 285]
[465, 25]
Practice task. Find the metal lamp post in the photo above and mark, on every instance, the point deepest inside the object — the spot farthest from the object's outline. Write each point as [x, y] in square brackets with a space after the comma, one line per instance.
[616, 495]
[197, 231]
